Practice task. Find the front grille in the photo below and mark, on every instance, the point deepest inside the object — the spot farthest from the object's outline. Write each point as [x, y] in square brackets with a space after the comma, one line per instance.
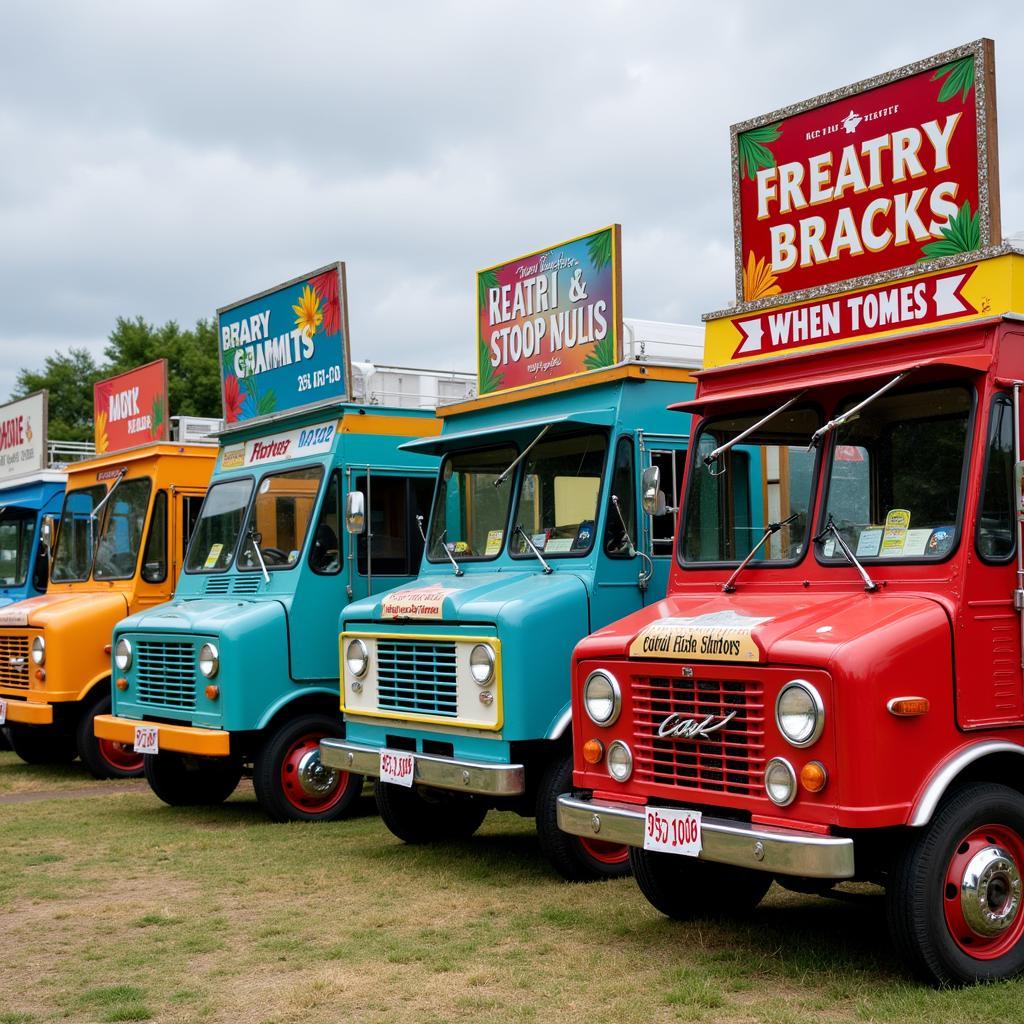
[217, 584]
[166, 673]
[417, 676]
[14, 660]
[726, 760]
[232, 584]
[246, 584]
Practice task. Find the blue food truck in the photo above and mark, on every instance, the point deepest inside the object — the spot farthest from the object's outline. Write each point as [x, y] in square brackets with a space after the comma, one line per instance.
[455, 687]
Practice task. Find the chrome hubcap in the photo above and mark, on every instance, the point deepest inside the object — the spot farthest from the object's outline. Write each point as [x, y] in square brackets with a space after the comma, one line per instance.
[315, 778]
[990, 893]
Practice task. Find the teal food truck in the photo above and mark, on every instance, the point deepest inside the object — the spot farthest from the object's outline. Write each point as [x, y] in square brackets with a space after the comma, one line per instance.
[239, 671]
[456, 687]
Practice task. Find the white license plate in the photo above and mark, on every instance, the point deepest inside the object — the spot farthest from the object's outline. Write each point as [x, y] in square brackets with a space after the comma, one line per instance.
[147, 739]
[668, 830]
[397, 767]
[3, 711]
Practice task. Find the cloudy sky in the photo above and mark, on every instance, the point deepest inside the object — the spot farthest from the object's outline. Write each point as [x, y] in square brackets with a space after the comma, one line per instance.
[161, 159]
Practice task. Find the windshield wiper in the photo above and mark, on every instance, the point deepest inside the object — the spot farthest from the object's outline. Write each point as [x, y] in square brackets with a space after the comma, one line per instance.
[730, 584]
[451, 557]
[254, 539]
[536, 551]
[830, 527]
[106, 497]
[502, 477]
[723, 448]
[852, 413]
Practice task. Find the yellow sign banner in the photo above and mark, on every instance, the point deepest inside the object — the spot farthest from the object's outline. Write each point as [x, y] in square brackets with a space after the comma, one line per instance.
[715, 636]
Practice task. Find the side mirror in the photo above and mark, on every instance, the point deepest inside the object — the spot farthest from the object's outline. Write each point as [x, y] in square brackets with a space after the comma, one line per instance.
[1018, 489]
[48, 533]
[652, 498]
[355, 512]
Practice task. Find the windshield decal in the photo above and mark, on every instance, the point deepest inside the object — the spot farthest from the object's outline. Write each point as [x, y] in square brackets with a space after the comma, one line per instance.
[416, 603]
[714, 636]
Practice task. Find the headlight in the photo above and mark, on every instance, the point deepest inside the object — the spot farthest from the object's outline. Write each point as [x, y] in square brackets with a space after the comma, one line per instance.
[209, 660]
[620, 761]
[123, 655]
[799, 713]
[38, 650]
[780, 781]
[481, 664]
[602, 697]
[357, 657]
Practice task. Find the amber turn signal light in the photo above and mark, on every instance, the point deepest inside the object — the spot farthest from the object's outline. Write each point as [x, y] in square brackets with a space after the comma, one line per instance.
[122, 684]
[908, 707]
[41, 674]
[212, 692]
[593, 751]
[813, 776]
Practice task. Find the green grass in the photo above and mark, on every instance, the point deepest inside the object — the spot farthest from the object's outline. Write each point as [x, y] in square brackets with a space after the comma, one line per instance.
[117, 908]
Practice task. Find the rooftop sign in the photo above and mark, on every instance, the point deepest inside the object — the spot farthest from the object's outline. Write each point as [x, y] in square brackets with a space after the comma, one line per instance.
[23, 436]
[551, 314]
[286, 348]
[131, 408]
[870, 183]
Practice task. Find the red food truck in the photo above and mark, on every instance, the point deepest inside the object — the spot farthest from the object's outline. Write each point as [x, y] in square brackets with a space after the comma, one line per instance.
[838, 695]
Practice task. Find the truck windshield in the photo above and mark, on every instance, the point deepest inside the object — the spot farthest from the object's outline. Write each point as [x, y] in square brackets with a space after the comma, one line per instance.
[470, 513]
[220, 523]
[558, 492]
[280, 518]
[765, 479]
[124, 524]
[896, 479]
[72, 561]
[17, 533]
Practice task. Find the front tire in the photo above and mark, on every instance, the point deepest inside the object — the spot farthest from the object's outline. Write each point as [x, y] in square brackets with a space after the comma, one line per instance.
[575, 858]
[428, 815]
[41, 745]
[105, 759]
[685, 888]
[954, 900]
[290, 781]
[182, 780]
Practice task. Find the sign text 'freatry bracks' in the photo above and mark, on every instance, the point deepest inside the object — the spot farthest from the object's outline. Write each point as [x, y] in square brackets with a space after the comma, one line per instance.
[551, 314]
[286, 348]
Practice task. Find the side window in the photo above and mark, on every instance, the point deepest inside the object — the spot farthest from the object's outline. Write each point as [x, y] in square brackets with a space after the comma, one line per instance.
[190, 507]
[393, 504]
[154, 557]
[616, 544]
[995, 530]
[663, 527]
[325, 551]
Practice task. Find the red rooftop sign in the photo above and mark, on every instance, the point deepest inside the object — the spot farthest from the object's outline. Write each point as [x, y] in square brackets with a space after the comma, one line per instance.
[869, 183]
[131, 408]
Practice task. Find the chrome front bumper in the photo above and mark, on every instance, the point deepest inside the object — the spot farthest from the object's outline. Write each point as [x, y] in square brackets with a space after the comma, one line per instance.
[430, 770]
[779, 851]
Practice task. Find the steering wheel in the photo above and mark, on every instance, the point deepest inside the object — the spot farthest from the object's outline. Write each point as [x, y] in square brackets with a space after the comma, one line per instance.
[274, 555]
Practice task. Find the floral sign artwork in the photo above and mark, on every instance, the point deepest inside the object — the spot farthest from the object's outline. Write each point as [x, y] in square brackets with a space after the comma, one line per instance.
[872, 179]
[285, 348]
[131, 408]
[551, 314]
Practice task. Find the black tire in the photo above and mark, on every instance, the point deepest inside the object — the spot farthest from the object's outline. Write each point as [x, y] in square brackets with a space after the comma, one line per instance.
[420, 815]
[685, 888]
[575, 859]
[181, 780]
[284, 792]
[41, 744]
[105, 760]
[920, 898]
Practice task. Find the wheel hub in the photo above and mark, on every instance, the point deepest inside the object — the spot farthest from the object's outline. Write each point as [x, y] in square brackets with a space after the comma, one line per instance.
[315, 778]
[990, 892]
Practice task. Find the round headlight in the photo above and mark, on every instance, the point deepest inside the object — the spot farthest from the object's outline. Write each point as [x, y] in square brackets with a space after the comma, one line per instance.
[620, 761]
[799, 713]
[481, 664]
[38, 650]
[602, 698]
[209, 660]
[357, 657]
[123, 655]
[780, 781]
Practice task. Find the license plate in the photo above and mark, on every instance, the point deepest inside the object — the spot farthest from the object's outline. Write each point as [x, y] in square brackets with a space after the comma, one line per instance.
[3, 711]
[668, 830]
[147, 739]
[397, 767]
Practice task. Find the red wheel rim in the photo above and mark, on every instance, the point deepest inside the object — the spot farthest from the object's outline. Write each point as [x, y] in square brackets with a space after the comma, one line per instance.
[982, 897]
[120, 756]
[605, 853]
[308, 785]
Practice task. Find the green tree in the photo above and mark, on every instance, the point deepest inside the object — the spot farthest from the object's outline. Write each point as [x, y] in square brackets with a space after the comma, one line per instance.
[69, 377]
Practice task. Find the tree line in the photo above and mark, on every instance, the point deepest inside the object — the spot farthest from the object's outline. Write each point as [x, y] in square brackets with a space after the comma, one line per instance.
[193, 373]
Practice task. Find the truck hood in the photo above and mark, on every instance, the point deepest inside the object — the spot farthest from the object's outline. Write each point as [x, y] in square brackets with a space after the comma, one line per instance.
[53, 610]
[864, 630]
[203, 616]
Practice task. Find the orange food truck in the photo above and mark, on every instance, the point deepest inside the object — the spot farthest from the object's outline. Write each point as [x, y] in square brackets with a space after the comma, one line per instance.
[839, 695]
[125, 523]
